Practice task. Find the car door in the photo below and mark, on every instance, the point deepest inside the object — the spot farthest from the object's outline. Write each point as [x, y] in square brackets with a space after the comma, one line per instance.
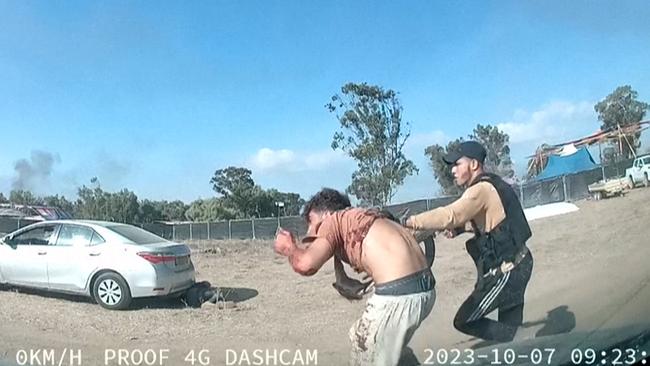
[73, 257]
[645, 167]
[26, 262]
[638, 171]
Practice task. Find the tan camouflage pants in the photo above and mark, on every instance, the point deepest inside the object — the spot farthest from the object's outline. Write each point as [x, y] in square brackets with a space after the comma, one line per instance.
[386, 326]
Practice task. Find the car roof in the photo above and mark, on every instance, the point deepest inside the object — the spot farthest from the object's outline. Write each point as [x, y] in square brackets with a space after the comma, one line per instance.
[102, 227]
[90, 223]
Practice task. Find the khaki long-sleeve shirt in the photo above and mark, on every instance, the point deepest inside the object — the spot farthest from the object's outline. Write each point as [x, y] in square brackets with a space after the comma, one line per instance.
[479, 202]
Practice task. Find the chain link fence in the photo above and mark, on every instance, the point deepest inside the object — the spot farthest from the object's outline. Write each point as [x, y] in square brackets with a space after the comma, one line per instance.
[566, 188]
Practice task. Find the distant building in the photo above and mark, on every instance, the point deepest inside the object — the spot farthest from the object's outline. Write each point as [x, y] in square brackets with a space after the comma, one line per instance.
[35, 213]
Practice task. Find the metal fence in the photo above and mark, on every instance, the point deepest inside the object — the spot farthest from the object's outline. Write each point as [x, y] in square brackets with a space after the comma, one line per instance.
[264, 228]
[570, 187]
[566, 188]
[9, 224]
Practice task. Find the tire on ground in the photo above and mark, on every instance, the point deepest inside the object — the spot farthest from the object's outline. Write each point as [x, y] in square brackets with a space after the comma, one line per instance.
[111, 291]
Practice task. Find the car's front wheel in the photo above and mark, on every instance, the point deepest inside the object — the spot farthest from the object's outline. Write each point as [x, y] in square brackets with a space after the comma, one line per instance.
[111, 291]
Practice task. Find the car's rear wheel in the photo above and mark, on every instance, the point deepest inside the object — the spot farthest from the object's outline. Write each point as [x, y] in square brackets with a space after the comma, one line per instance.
[645, 180]
[111, 291]
[630, 182]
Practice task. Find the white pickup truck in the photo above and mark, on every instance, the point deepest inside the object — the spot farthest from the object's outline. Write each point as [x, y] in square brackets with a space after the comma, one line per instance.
[639, 171]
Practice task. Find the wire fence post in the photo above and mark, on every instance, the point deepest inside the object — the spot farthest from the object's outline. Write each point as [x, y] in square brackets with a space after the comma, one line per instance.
[253, 226]
[208, 225]
[230, 229]
[190, 231]
[174, 232]
[566, 194]
[521, 194]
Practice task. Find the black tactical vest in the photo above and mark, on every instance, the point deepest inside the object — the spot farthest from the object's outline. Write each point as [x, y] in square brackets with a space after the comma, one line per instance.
[503, 242]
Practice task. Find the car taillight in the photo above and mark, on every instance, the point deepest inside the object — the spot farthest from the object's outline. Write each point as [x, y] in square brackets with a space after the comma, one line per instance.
[157, 258]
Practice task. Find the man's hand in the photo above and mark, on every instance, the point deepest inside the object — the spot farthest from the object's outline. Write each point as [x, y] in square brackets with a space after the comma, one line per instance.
[449, 233]
[352, 289]
[284, 242]
[452, 233]
[422, 235]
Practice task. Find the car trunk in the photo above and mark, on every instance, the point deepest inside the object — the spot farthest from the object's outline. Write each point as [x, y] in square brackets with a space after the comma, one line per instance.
[172, 255]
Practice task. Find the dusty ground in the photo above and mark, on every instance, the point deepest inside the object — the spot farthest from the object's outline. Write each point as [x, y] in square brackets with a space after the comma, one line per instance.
[589, 266]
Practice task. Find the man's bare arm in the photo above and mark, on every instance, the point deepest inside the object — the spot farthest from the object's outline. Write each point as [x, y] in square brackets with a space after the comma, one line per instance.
[339, 271]
[347, 287]
[306, 261]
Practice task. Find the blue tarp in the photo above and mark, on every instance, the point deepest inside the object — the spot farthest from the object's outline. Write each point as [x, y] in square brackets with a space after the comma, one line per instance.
[558, 166]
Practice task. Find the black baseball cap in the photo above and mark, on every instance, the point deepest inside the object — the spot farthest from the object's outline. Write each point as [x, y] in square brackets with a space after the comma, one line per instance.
[468, 149]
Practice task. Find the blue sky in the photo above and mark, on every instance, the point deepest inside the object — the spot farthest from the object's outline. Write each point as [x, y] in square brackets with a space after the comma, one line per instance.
[155, 96]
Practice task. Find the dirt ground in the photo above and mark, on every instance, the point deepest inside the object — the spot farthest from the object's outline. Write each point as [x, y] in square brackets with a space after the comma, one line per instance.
[589, 277]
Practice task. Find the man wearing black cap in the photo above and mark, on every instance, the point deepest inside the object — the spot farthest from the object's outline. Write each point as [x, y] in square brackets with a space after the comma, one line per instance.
[490, 208]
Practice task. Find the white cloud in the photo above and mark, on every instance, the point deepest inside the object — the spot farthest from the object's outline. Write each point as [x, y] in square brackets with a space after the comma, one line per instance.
[288, 160]
[553, 123]
[301, 172]
[266, 158]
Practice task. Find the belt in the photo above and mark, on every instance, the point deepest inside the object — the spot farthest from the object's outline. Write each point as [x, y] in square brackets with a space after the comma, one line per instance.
[421, 281]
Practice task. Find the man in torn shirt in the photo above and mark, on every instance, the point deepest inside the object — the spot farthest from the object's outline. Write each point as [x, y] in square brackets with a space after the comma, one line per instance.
[371, 242]
[491, 210]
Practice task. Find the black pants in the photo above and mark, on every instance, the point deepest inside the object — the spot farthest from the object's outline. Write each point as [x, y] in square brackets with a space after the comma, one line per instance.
[504, 292]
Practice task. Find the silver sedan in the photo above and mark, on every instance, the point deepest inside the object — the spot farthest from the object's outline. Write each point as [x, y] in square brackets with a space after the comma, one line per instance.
[110, 262]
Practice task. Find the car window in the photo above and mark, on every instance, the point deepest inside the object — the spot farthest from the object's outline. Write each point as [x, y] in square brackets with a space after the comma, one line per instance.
[96, 239]
[646, 161]
[72, 235]
[37, 236]
[136, 235]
